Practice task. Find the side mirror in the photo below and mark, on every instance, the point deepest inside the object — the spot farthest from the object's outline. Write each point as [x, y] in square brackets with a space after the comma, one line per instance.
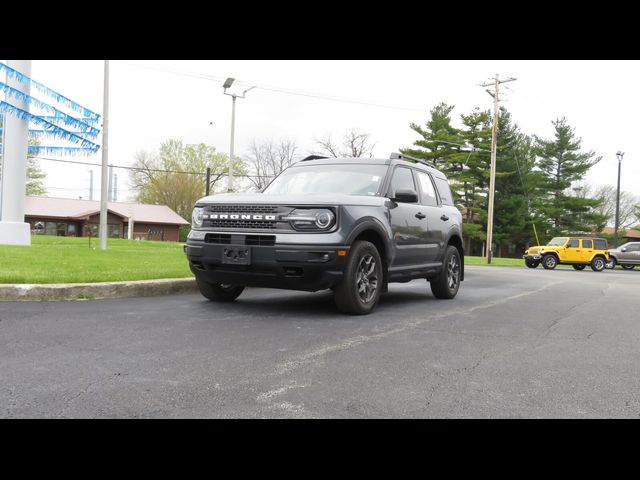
[405, 195]
[623, 249]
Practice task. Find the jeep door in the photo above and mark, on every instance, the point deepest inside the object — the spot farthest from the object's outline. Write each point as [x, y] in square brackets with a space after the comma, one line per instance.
[408, 222]
[572, 252]
[587, 250]
[436, 227]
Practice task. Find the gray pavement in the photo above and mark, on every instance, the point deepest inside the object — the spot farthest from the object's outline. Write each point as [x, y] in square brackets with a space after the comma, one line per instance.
[514, 343]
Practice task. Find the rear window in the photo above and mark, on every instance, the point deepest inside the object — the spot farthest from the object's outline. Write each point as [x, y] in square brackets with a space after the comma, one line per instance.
[600, 244]
[587, 244]
[444, 191]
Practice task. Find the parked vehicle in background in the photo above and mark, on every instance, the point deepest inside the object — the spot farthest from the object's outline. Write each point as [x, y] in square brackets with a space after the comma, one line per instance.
[576, 251]
[627, 256]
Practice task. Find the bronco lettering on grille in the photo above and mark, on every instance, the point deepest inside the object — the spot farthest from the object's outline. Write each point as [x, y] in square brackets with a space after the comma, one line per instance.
[238, 216]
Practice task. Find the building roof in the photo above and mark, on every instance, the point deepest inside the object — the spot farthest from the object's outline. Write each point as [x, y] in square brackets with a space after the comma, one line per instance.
[81, 209]
[623, 233]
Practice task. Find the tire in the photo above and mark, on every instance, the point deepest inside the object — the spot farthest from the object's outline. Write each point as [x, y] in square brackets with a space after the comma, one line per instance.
[598, 263]
[628, 267]
[531, 263]
[611, 264]
[361, 285]
[218, 292]
[549, 261]
[579, 267]
[446, 284]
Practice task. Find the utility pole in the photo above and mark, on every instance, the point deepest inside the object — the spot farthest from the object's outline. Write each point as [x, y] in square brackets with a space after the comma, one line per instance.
[105, 159]
[208, 181]
[90, 184]
[110, 185]
[492, 178]
[615, 234]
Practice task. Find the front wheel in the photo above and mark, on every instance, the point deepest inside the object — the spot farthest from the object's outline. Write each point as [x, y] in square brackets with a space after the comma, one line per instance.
[597, 264]
[628, 267]
[579, 267]
[219, 292]
[531, 263]
[446, 284]
[361, 285]
[549, 261]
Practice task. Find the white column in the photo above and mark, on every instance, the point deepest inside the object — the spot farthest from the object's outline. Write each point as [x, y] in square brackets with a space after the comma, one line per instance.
[13, 229]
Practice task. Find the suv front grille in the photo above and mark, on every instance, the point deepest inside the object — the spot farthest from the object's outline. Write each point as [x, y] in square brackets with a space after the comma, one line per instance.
[238, 223]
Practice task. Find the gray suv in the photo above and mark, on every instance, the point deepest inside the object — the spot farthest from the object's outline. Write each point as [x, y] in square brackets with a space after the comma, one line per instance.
[345, 224]
[627, 256]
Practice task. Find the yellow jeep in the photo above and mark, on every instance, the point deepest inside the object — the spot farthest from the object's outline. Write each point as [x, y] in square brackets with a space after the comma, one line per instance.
[578, 252]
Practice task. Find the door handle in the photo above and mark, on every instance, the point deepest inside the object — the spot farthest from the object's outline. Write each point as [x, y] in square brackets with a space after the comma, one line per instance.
[444, 218]
[420, 215]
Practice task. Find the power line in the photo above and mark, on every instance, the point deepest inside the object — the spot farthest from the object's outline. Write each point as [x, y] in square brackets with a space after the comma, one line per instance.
[287, 91]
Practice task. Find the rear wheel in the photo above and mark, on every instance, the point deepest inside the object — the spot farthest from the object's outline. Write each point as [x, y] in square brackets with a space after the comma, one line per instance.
[361, 285]
[579, 267]
[628, 267]
[549, 261]
[446, 284]
[218, 292]
[597, 264]
[531, 263]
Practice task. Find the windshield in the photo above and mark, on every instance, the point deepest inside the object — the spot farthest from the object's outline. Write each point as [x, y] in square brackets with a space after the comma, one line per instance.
[558, 241]
[348, 179]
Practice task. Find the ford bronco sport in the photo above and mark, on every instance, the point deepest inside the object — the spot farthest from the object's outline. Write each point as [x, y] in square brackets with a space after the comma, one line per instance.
[350, 225]
[578, 252]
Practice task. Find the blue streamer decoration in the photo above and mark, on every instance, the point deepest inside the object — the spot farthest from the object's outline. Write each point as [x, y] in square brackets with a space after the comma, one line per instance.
[54, 129]
[67, 119]
[35, 133]
[92, 116]
[72, 151]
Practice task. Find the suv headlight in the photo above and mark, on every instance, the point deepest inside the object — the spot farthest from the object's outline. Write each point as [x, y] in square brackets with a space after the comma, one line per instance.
[196, 217]
[311, 219]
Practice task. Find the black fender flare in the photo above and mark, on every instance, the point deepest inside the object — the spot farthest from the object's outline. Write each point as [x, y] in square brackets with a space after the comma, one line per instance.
[372, 223]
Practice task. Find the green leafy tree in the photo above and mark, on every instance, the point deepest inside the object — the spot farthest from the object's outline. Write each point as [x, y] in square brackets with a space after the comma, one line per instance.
[562, 163]
[176, 176]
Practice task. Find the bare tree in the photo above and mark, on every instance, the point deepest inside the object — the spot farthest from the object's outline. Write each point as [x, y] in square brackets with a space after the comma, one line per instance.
[607, 207]
[268, 159]
[354, 144]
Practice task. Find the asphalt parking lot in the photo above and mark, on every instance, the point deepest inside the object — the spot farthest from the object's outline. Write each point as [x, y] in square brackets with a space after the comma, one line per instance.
[515, 343]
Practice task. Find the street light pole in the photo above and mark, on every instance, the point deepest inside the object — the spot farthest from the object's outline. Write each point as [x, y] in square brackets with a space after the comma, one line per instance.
[615, 234]
[228, 82]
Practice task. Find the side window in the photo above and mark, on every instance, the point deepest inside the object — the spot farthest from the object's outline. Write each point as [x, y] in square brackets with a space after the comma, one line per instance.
[402, 178]
[587, 244]
[600, 244]
[573, 244]
[426, 186]
[443, 190]
[633, 247]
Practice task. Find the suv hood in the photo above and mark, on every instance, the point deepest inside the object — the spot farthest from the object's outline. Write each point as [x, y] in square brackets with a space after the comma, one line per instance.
[292, 200]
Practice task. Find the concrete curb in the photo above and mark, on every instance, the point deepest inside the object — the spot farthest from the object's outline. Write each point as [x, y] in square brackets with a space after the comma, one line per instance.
[94, 291]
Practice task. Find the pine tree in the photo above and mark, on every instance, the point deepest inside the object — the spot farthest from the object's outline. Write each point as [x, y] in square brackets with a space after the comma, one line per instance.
[562, 163]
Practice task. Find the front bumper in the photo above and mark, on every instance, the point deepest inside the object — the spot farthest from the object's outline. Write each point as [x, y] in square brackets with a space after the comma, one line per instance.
[532, 258]
[293, 267]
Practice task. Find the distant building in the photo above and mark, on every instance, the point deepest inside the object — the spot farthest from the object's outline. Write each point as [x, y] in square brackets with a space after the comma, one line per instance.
[78, 218]
[629, 235]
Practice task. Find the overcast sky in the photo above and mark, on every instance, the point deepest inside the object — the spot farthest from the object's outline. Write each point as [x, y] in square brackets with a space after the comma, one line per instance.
[147, 106]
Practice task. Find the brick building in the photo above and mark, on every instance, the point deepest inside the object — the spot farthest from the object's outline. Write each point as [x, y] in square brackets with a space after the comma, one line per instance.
[77, 218]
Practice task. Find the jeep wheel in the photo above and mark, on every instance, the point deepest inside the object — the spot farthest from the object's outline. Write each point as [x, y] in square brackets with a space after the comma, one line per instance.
[611, 264]
[549, 261]
[597, 264]
[360, 288]
[219, 292]
[446, 284]
[628, 267]
[579, 267]
[531, 263]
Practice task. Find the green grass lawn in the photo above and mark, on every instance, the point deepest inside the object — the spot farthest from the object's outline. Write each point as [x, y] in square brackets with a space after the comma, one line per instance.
[501, 262]
[76, 260]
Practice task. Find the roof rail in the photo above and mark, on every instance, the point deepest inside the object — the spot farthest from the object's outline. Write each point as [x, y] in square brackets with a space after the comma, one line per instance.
[313, 157]
[402, 156]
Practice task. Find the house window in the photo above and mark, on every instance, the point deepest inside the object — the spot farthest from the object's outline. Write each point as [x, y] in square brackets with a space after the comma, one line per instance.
[50, 228]
[113, 231]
